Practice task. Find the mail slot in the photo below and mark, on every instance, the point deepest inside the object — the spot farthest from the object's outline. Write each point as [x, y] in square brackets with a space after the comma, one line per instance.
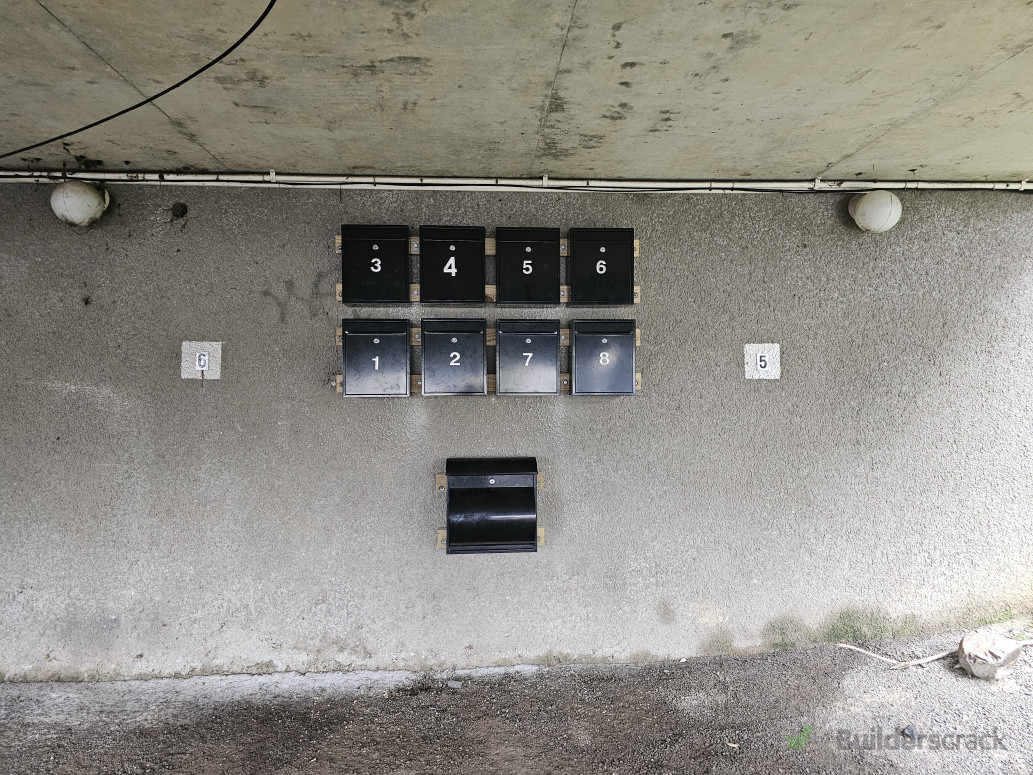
[452, 264]
[374, 264]
[375, 355]
[492, 505]
[527, 266]
[603, 357]
[455, 357]
[527, 355]
[602, 266]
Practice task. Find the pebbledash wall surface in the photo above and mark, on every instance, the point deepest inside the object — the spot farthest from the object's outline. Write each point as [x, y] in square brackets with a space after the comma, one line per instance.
[152, 526]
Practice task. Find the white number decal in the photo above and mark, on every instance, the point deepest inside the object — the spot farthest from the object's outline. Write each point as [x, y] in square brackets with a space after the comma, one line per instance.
[762, 361]
[450, 266]
[528, 361]
[455, 360]
[600, 266]
[527, 267]
[374, 265]
[376, 362]
[604, 358]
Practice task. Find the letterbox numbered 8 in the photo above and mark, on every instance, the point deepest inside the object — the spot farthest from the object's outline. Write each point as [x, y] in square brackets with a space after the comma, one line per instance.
[602, 266]
[454, 357]
[374, 264]
[527, 266]
[375, 356]
[452, 264]
[603, 357]
[527, 357]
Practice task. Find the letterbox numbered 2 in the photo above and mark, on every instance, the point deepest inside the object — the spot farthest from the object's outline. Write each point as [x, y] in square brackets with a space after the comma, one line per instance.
[375, 356]
[374, 264]
[452, 264]
[602, 266]
[454, 357]
[527, 357]
[603, 357]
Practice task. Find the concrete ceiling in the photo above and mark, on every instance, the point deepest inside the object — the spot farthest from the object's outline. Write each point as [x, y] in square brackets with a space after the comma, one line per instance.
[570, 88]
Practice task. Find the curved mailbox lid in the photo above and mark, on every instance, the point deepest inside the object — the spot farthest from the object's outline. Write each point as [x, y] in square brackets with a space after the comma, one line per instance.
[492, 505]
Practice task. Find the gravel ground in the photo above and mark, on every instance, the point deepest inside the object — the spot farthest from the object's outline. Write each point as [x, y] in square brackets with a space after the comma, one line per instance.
[708, 714]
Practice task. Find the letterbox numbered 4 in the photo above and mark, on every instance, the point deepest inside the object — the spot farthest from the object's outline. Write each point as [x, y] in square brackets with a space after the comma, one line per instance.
[602, 266]
[454, 357]
[375, 355]
[452, 264]
[374, 264]
[603, 357]
[527, 266]
[527, 357]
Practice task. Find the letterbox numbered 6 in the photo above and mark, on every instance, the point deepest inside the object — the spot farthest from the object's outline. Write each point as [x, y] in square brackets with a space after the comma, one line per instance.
[452, 264]
[602, 266]
[527, 357]
[374, 264]
[527, 266]
[454, 357]
[375, 355]
[603, 357]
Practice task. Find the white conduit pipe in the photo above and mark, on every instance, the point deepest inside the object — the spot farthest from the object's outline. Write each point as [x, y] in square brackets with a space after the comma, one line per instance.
[273, 179]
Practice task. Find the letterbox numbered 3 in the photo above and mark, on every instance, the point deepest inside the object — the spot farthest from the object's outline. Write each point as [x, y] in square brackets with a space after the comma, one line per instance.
[375, 356]
[374, 264]
[603, 357]
[527, 357]
[452, 264]
[454, 357]
[527, 266]
[602, 266]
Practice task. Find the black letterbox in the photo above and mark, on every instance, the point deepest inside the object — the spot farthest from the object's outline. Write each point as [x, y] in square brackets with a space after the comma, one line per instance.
[527, 357]
[375, 355]
[528, 266]
[602, 266]
[454, 357]
[492, 505]
[452, 264]
[375, 264]
[603, 357]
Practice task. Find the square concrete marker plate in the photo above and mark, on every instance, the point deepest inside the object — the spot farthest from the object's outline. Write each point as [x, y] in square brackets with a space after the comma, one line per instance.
[201, 357]
[762, 361]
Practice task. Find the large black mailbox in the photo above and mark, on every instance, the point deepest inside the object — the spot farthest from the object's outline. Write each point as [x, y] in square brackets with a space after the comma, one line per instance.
[602, 266]
[527, 357]
[492, 505]
[454, 357]
[452, 264]
[375, 356]
[528, 266]
[603, 357]
[374, 264]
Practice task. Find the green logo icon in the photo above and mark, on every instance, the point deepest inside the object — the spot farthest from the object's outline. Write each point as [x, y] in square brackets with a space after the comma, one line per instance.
[798, 742]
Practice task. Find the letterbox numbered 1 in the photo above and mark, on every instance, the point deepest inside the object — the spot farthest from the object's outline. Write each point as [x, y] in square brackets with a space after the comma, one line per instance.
[375, 356]
[528, 266]
[602, 266]
[452, 264]
[454, 357]
[527, 357]
[374, 264]
[603, 357]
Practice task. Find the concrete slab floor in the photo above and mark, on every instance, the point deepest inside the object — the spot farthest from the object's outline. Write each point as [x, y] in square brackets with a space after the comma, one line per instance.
[708, 714]
[152, 526]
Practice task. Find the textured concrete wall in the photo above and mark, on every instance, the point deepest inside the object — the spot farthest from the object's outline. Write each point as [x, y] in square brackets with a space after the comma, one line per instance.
[606, 88]
[152, 526]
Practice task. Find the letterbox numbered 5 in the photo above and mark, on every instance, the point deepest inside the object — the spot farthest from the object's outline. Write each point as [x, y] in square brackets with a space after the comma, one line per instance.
[527, 266]
[375, 356]
[603, 357]
[454, 357]
[374, 264]
[527, 357]
[602, 266]
[452, 264]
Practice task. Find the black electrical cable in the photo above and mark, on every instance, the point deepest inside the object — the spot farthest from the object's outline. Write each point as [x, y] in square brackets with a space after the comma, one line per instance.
[162, 93]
